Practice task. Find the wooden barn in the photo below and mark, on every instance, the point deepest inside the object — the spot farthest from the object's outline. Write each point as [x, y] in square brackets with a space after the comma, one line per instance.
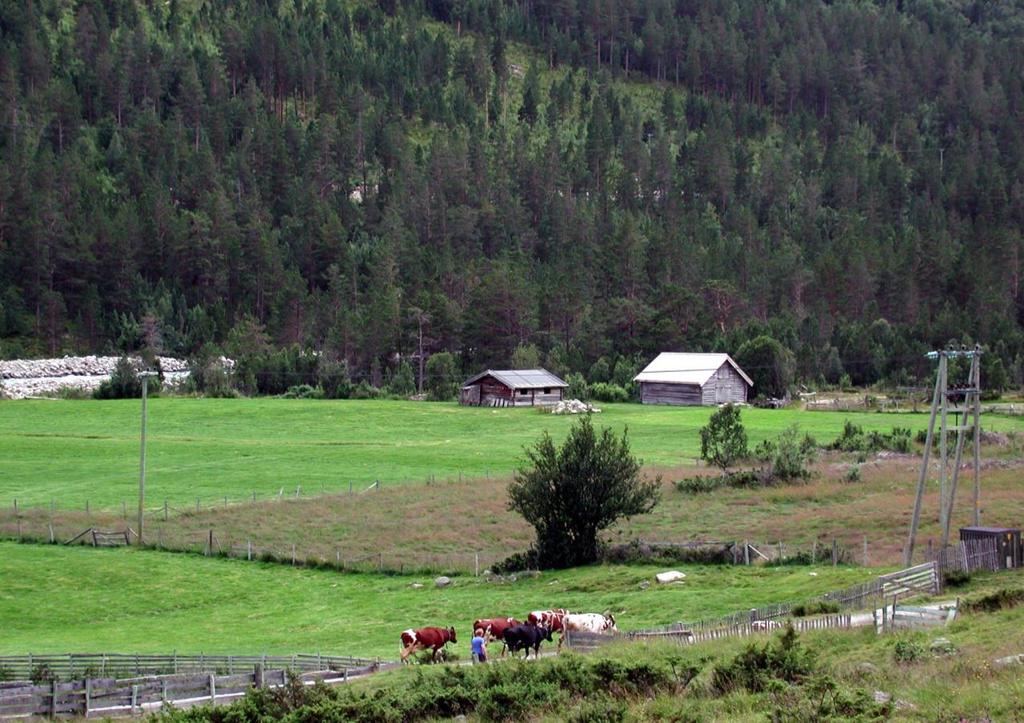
[513, 388]
[693, 379]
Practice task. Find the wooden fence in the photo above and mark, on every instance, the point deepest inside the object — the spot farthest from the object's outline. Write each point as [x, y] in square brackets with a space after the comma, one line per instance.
[111, 696]
[584, 642]
[919, 579]
[121, 665]
[969, 555]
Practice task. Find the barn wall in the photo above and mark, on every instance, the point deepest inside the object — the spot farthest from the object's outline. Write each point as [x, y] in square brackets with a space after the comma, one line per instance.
[725, 385]
[537, 397]
[470, 395]
[663, 393]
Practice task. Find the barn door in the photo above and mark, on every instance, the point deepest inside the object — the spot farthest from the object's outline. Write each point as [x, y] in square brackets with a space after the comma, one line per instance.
[721, 392]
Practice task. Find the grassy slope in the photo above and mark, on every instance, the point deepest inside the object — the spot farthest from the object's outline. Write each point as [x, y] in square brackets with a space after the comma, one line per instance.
[58, 599]
[210, 448]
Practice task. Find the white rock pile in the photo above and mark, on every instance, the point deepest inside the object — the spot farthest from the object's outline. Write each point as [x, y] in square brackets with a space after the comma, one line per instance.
[574, 406]
[20, 378]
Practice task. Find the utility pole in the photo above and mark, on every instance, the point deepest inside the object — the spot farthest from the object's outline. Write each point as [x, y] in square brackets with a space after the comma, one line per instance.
[142, 455]
[940, 407]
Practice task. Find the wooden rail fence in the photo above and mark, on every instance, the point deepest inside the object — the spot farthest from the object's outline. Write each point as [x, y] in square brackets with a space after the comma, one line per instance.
[111, 696]
[112, 665]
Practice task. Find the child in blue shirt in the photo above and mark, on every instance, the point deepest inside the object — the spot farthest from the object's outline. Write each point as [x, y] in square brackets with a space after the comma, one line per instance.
[479, 646]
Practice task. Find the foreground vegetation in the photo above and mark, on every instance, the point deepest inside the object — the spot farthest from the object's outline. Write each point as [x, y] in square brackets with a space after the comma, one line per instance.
[59, 599]
[818, 676]
[74, 452]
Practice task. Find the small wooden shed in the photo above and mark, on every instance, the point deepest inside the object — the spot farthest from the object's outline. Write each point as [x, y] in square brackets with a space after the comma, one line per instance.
[513, 388]
[693, 379]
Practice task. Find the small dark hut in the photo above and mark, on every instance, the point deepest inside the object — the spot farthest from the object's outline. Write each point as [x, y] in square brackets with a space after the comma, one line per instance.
[693, 379]
[513, 388]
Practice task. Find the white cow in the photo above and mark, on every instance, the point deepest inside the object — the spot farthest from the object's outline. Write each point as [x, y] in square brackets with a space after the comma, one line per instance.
[587, 623]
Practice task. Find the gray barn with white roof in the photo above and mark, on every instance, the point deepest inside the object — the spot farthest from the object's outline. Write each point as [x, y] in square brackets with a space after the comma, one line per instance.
[693, 379]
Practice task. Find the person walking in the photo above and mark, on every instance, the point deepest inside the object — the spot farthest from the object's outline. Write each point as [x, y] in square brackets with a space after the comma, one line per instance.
[478, 645]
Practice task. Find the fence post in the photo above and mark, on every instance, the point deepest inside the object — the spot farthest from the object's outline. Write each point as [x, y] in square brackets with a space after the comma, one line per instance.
[254, 496]
[248, 550]
[87, 507]
[53, 698]
[746, 552]
[124, 510]
[197, 504]
[213, 688]
[135, 698]
[814, 552]
[88, 696]
[865, 550]
[258, 679]
[380, 563]
[835, 552]
[350, 486]
[476, 572]
[50, 526]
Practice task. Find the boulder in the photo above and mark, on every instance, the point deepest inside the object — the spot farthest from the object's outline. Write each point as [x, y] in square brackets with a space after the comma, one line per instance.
[671, 576]
[942, 646]
[1017, 659]
[865, 669]
[443, 581]
[645, 584]
[416, 585]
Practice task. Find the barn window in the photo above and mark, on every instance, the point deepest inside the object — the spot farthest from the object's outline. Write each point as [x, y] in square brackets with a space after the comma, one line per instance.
[523, 392]
[547, 391]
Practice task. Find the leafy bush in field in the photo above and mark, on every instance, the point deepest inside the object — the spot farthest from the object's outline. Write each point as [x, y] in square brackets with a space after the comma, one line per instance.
[758, 667]
[698, 485]
[818, 607]
[907, 650]
[600, 709]
[517, 562]
[303, 391]
[607, 392]
[723, 441]
[125, 383]
[42, 673]
[955, 578]
[854, 439]
[441, 383]
[578, 388]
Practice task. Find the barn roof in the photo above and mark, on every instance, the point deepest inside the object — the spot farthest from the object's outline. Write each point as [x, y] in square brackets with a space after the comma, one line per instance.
[520, 378]
[676, 368]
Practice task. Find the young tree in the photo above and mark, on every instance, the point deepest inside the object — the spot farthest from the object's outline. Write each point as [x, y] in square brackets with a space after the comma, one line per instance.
[569, 494]
[724, 440]
[441, 382]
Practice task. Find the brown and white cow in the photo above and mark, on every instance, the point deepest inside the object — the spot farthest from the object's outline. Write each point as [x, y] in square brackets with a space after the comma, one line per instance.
[552, 619]
[495, 628]
[424, 638]
[587, 623]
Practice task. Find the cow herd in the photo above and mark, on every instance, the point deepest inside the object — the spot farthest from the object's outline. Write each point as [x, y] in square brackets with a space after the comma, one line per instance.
[514, 635]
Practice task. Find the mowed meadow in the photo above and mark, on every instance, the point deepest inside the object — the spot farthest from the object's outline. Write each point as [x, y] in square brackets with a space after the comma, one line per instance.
[69, 453]
[58, 599]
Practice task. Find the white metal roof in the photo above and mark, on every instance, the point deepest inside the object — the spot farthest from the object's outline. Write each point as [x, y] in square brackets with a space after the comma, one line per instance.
[520, 378]
[681, 368]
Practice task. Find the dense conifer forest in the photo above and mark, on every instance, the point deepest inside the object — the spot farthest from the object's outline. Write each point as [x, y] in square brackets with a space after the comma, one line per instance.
[579, 183]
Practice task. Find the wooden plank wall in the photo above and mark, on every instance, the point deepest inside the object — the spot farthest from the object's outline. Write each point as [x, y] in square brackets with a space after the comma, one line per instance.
[725, 385]
[675, 394]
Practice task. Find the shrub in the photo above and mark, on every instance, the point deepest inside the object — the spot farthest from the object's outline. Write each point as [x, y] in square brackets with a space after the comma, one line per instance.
[403, 383]
[852, 475]
[303, 391]
[517, 700]
[365, 390]
[699, 485]
[441, 382]
[600, 709]
[577, 387]
[125, 383]
[42, 673]
[818, 607]
[607, 392]
[596, 480]
[333, 379]
[723, 441]
[792, 455]
[517, 562]
[955, 578]
[907, 650]
[757, 667]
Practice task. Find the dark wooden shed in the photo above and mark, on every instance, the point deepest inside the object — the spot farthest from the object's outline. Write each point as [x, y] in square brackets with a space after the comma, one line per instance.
[693, 379]
[513, 388]
[1006, 539]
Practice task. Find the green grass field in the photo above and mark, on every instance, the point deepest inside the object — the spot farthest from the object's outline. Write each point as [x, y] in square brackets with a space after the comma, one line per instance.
[71, 452]
[60, 599]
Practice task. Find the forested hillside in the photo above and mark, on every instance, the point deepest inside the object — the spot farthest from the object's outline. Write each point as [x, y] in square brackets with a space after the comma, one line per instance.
[597, 179]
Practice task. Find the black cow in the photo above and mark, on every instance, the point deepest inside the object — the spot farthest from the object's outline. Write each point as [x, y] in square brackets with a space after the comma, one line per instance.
[524, 637]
